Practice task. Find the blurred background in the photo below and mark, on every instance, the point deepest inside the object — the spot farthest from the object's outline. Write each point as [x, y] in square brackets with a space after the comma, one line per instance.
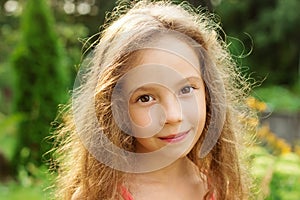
[41, 47]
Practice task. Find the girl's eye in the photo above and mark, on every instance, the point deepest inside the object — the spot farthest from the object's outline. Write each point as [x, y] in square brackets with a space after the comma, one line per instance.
[145, 98]
[186, 89]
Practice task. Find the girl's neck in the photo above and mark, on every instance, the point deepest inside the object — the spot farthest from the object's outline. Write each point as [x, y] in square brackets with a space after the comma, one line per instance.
[178, 170]
[180, 180]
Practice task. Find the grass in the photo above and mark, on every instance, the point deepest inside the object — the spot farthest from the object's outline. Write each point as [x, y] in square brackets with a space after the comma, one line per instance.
[277, 177]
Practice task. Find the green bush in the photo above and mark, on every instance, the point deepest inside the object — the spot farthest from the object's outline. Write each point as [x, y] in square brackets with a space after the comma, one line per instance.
[271, 30]
[38, 187]
[279, 98]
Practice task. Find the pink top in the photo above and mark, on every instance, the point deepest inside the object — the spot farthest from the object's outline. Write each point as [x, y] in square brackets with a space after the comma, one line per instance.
[127, 196]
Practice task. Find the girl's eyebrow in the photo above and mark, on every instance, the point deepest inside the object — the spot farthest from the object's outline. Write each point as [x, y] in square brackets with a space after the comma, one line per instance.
[191, 79]
[143, 88]
[147, 88]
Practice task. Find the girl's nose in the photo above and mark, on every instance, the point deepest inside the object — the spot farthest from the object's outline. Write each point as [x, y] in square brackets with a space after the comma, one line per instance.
[172, 107]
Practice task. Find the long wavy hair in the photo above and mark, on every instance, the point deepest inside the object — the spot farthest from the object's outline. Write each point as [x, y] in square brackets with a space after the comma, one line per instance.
[126, 28]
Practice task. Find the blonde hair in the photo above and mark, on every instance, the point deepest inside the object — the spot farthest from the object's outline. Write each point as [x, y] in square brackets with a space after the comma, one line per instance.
[81, 172]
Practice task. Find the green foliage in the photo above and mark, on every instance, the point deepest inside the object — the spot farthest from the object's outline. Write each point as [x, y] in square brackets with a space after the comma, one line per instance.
[276, 177]
[286, 178]
[28, 187]
[8, 126]
[73, 43]
[41, 82]
[279, 99]
[272, 28]
[31, 182]
[9, 37]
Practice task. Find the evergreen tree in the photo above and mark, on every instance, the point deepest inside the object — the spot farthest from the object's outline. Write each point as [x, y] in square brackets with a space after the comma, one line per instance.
[41, 82]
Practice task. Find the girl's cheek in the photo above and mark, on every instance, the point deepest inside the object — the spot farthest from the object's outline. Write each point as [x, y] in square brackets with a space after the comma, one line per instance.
[146, 122]
[140, 117]
[194, 111]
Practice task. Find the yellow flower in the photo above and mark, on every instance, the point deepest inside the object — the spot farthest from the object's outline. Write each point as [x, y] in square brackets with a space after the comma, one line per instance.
[256, 104]
[276, 144]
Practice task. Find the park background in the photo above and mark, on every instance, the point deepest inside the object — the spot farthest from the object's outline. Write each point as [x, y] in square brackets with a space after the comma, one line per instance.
[41, 47]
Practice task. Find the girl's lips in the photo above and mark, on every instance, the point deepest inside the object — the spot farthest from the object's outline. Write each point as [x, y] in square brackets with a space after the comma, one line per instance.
[175, 137]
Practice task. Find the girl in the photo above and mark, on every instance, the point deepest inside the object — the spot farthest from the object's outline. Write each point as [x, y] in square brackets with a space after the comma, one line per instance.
[157, 112]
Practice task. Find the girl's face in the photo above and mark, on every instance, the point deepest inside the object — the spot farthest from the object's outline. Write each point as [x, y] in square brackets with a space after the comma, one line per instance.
[166, 98]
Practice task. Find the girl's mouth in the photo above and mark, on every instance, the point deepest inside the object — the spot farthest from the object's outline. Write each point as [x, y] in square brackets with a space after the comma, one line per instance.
[175, 137]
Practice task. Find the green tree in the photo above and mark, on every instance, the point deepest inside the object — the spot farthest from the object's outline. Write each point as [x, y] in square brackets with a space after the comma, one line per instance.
[273, 27]
[41, 82]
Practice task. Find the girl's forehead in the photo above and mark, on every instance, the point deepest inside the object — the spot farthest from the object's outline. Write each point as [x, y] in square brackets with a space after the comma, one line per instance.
[168, 48]
[165, 59]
